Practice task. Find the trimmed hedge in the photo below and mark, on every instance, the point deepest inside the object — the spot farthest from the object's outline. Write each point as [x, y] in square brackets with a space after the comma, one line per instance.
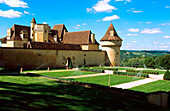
[131, 74]
[145, 72]
[167, 75]
[91, 70]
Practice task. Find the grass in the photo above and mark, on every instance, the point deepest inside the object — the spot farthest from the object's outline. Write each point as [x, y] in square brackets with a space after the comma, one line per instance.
[161, 85]
[103, 80]
[42, 70]
[36, 93]
[66, 73]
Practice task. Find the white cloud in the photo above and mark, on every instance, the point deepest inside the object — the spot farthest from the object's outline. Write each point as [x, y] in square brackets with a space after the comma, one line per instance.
[129, 44]
[109, 18]
[132, 34]
[26, 12]
[119, 31]
[135, 11]
[151, 31]
[78, 25]
[33, 14]
[44, 22]
[10, 13]
[128, 0]
[163, 47]
[84, 24]
[167, 37]
[15, 3]
[148, 22]
[155, 42]
[133, 30]
[134, 41]
[165, 24]
[102, 6]
[162, 43]
[167, 6]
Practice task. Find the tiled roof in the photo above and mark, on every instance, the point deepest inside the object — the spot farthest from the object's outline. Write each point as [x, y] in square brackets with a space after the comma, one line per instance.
[80, 37]
[60, 28]
[54, 46]
[3, 40]
[17, 29]
[33, 20]
[107, 34]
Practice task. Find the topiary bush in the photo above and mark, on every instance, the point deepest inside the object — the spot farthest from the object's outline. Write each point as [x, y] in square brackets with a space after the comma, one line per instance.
[167, 75]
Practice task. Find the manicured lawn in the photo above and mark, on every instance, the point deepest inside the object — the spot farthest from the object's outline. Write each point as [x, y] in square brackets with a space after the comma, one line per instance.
[103, 80]
[66, 73]
[161, 85]
[42, 70]
[36, 93]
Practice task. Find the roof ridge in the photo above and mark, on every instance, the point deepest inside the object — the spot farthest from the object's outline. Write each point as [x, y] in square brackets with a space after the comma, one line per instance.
[80, 31]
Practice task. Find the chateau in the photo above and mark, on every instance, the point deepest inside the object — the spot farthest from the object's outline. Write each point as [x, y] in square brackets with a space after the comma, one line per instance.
[39, 46]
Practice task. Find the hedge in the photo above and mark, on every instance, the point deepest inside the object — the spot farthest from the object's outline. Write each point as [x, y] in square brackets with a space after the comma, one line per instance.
[167, 75]
[131, 74]
[145, 72]
[91, 70]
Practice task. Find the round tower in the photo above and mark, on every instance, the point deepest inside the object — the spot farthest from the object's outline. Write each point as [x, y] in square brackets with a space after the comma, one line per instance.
[111, 43]
[32, 34]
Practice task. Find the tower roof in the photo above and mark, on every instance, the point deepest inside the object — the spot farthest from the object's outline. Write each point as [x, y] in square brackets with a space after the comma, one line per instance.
[107, 36]
[33, 20]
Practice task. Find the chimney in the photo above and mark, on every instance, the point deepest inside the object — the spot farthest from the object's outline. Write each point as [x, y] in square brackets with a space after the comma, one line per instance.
[9, 33]
[111, 33]
[93, 38]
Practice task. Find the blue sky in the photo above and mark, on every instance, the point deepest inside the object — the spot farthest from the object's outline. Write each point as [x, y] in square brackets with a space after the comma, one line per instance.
[142, 24]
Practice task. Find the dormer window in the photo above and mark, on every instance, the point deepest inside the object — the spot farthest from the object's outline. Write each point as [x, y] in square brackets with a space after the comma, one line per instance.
[24, 34]
[111, 33]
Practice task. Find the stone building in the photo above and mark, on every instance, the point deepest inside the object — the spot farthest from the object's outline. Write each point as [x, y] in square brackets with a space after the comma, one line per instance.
[39, 46]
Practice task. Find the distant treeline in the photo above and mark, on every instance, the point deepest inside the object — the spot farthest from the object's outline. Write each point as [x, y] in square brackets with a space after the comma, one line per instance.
[149, 59]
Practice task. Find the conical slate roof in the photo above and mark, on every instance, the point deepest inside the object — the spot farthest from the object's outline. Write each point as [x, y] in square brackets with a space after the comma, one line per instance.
[107, 36]
[33, 20]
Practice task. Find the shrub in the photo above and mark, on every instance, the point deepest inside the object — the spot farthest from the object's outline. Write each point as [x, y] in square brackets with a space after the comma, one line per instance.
[167, 75]
[131, 74]
[92, 70]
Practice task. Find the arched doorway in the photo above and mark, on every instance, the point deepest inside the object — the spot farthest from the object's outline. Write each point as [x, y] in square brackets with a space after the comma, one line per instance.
[69, 63]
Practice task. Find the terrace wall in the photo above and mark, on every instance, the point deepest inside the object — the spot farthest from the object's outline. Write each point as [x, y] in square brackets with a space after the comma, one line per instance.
[38, 58]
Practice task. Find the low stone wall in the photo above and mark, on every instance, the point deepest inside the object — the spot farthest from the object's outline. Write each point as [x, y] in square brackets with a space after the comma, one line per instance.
[159, 98]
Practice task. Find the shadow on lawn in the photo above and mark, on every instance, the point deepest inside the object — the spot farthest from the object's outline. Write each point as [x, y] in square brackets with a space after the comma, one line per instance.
[64, 96]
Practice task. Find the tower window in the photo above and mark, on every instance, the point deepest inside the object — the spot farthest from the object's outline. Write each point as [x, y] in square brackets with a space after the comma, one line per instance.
[45, 31]
[32, 34]
[32, 28]
[117, 53]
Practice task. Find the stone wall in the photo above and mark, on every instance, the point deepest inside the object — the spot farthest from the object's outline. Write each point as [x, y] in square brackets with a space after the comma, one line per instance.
[38, 59]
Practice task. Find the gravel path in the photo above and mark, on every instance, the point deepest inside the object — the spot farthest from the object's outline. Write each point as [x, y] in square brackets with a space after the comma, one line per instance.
[134, 83]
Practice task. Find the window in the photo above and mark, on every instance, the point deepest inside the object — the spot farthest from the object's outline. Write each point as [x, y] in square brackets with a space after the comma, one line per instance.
[117, 53]
[45, 31]
[32, 34]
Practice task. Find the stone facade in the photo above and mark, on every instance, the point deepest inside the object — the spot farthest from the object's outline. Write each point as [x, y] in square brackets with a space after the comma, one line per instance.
[39, 46]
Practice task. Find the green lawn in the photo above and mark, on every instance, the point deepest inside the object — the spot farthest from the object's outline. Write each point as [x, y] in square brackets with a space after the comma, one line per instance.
[161, 85]
[35, 93]
[103, 80]
[42, 70]
[66, 73]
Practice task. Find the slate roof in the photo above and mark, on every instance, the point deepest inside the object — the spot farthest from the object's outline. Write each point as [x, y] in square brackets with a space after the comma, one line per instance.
[80, 37]
[107, 36]
[54, 46]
